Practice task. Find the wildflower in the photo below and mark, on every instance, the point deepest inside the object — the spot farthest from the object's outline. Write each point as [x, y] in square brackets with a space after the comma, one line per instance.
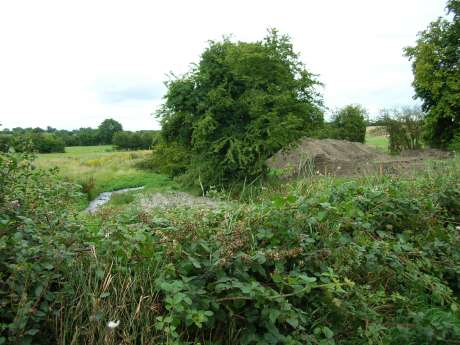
[113, 324]
[457, 228]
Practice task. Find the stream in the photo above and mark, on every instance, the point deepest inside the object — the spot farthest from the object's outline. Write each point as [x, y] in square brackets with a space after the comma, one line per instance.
[105, 197]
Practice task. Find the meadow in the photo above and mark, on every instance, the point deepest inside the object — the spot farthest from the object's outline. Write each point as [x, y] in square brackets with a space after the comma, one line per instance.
[101, 169]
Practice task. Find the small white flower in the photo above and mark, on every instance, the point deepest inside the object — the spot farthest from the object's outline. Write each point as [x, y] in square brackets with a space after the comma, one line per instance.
[457, 227]
[113, 324]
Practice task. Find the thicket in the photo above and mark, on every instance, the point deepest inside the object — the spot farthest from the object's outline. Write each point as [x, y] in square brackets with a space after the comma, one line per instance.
[240, 104]
[142, 140]
[372, 261]
[404, 127]
[37, 232]
[318, 262]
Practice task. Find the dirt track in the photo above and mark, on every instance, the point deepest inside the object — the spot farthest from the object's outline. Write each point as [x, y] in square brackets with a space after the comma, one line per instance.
[344, 158]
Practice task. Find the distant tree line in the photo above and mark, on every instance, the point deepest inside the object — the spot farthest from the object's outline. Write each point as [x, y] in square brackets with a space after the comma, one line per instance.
[55, 140]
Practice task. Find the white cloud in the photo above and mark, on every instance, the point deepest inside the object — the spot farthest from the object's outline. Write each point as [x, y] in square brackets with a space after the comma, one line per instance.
[70, 64]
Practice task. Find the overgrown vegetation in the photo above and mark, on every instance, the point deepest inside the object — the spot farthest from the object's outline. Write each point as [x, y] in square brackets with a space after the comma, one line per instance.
[404, 127]
[323, 261]
[38, 235]
[239, 105]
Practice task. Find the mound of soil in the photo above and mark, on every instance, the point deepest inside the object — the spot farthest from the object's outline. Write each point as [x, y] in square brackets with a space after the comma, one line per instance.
[340, 157]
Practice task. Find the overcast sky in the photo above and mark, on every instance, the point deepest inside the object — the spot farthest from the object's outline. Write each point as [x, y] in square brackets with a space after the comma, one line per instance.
[71, 64]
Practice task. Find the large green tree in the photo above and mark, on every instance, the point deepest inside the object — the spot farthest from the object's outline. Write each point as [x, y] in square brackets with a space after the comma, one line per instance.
[240, 104]
[107, 129]
[436, 67]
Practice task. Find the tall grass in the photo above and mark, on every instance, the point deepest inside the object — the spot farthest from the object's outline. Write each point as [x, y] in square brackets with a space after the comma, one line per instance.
[98, 169]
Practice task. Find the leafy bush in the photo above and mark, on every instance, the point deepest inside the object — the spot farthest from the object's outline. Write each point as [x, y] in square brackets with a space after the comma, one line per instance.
[36, 234]
[142, 140]
[239, 105]
[404, 127]
[322, 262]
[5, 140]
[455, 144]
[349, 123]
[47, 143]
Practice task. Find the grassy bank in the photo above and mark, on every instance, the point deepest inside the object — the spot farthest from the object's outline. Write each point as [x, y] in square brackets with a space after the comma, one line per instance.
[98, 169]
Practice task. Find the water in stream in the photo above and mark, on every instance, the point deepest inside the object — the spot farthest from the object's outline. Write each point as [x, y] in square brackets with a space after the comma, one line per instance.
[105, 197]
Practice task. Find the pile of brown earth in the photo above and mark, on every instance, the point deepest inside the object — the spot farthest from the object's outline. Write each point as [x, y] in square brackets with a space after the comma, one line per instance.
[340, 157]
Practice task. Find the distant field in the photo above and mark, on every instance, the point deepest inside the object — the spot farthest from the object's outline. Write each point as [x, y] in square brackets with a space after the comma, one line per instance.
[98, 169]
[375, 137]
[88, 149]
[380, 142]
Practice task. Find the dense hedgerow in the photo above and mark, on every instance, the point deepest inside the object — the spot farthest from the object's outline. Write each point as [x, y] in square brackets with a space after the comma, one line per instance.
[143, 140]
[321, 262]
[37, 142]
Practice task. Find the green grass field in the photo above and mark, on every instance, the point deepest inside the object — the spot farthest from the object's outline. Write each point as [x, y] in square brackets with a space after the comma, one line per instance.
[100, 169]
[380, 141]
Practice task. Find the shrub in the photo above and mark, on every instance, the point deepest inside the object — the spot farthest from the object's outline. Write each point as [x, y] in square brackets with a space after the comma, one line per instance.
[455, 144]
[405, 128]
[5, 140]
[349, 123]
[238, 106]
[36, 234]
[47, 143]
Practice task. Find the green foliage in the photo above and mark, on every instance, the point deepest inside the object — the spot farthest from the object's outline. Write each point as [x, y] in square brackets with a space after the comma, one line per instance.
[240, 104]
[171, 159]
[455, 143]
[322, 262]
[37, 142]
[404, 127]
[143, 140]
[349, 123]
[36, 234]
[106, 130]
[437, 76]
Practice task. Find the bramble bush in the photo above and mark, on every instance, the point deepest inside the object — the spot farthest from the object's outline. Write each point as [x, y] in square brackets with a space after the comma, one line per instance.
[371, 261]
[36, 234]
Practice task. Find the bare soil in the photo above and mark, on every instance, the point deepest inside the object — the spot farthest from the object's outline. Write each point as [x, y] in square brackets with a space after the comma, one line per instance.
[345, 158]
